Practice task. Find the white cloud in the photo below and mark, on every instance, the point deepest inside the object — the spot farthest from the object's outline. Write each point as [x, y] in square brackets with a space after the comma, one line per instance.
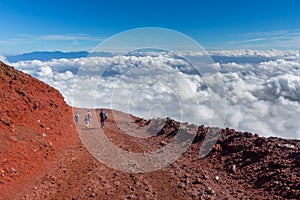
[2, 58]
[262, 96]
[45, 72]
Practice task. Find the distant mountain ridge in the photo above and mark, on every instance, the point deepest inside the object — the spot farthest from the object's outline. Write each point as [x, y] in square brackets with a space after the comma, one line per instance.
[49, 55]
[46, 56]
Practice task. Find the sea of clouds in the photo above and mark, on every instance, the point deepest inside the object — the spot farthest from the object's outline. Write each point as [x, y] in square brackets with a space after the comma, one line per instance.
[262, 88]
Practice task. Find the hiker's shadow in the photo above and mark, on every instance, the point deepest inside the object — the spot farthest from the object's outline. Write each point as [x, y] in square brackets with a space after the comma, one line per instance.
[90, 128]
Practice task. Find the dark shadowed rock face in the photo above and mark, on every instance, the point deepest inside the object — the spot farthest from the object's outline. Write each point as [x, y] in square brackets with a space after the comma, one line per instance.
[42, 157]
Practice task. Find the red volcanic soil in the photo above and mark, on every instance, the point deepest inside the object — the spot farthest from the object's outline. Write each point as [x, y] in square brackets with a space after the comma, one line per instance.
[43, 157]
[36, 126]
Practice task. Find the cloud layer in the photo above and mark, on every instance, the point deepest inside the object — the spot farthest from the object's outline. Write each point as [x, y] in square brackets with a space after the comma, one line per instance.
[262, 87]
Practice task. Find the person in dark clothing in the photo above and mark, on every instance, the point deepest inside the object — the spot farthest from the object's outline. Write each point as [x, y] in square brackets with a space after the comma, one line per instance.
[103, 117]
[76, 118]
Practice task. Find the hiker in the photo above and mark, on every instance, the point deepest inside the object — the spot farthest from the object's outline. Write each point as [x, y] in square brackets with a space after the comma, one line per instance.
[76, 118]
[87, 121]
[103, 117]
[89, 115]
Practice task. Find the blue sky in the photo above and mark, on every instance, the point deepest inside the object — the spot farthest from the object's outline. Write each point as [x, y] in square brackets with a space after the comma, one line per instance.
[80, 25]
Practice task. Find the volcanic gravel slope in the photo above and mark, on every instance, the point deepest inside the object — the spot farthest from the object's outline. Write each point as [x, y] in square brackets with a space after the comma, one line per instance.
[42, 156]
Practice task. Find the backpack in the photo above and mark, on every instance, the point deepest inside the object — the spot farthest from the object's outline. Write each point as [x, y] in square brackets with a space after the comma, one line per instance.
[103, 115]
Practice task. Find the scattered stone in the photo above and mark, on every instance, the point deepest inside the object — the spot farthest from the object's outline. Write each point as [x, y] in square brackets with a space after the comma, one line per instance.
[13, 128]
[209, 191]
[217, 178]
[248, 161]
[201, 194]
[5, 119]
[278, 145]
[13, 138]
[13, 170]
[197, 181]
[93, 194]
[181, 185]
[163, 143]
[2, 172]
[44, 135]
[233, 168]
[217, 147]
[276, 183]
[187, 181]
[130, 196]
[204, 177]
